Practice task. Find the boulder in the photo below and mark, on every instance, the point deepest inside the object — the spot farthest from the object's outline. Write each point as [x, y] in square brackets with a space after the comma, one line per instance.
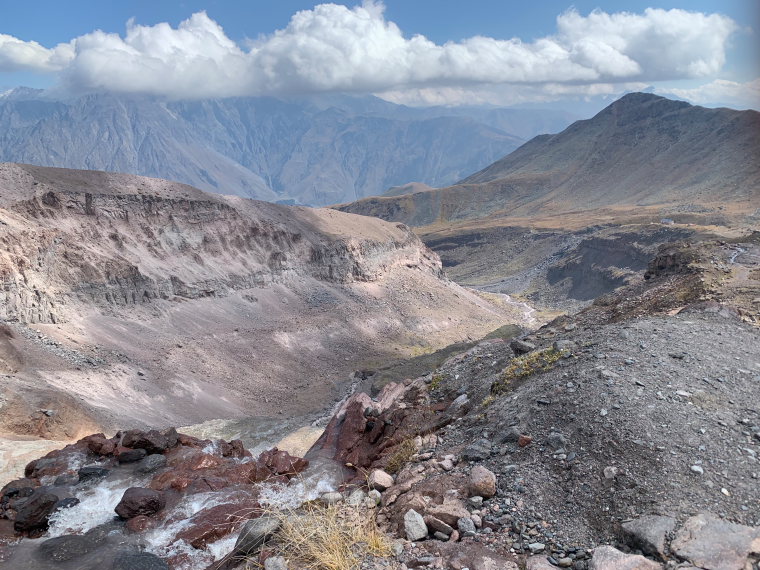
[414, 526]
[255, 533]
[466, 527]
[34, 513]
[151, 463]
[609, 558]
[66, 547]
[714, 544]
[92, 473]
[477, 451]
[380, 480]
[438, 525]
[15, 487]
[138, 561]
[152, 441]
[482, 482]
[213, 523]
[521, 346]
[450, 511]
[66, 503]
[282, 463]
[100, 444]
[140, 501]
[128, 455]
[648, 533]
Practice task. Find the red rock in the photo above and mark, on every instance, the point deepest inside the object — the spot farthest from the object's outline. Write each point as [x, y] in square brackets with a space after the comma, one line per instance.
[190, 441]
[100, 444]
[211, 524]
[524, 440]
[204, 461]
[141, 523]
[234, 448]
[152, 441]
[282, 463]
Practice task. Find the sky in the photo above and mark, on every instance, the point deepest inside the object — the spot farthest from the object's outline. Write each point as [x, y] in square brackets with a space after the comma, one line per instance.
[415, 52]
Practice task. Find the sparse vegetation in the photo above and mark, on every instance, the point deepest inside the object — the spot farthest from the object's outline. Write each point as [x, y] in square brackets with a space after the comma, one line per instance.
[335, 537]
[522, 366]
[401, 456]
[435, 383]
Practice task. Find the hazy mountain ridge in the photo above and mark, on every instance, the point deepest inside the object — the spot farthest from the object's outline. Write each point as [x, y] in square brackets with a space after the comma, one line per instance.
[331, 149]
[641, 150]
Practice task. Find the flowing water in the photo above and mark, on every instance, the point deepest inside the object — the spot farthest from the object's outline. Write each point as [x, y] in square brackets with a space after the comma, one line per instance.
[94, 515]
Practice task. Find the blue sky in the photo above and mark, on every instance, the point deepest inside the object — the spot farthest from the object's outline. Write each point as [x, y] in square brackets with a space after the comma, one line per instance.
[592, 63]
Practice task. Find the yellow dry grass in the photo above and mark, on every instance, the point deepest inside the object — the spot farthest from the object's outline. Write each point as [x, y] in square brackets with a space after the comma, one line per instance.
[334, 537]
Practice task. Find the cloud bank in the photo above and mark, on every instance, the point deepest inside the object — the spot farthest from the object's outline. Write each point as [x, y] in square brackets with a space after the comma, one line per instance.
[336, 48]
[720, 91]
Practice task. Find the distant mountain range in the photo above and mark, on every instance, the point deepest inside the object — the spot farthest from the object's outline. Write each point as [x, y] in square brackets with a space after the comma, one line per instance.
[318, 151]
[642, 150]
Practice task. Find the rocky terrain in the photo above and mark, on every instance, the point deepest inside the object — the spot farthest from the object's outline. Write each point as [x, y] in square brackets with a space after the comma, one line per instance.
[135, 301]
[315, 151]
[571, 216]
[624, 436]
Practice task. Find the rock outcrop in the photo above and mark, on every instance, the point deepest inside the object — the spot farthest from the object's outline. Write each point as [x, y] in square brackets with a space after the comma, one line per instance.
[175, 291]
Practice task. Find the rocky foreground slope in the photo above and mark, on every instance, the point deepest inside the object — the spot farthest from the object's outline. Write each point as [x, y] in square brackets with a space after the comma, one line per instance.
[133, 300]
[626, 436]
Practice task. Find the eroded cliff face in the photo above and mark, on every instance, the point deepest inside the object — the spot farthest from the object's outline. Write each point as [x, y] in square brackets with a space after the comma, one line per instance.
[149, 302]
[110, 251]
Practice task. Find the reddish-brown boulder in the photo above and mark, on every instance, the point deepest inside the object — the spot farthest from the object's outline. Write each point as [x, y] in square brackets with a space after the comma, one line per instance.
[282, 463]
[140, 501]
[152, 441]
[213, 523]
[100, 444]
[141, 523]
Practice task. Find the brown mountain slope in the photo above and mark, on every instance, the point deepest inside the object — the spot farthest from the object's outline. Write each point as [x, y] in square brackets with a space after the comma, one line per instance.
[642, 150]
[136, 300]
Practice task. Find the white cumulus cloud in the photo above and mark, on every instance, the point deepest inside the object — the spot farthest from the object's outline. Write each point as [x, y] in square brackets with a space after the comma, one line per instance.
[720, 91]
[336, 48]
[18, 55]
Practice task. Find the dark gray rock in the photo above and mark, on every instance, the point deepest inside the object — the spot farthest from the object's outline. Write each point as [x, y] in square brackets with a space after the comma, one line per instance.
[648, 533]
[138, 561]
[477, 451]
[255, 533]
[66, 503]
[132, 455]
[151, 463]
[521, 346]
[152, 441]
[140, 501]
[66, 480]
[66, 547]
[92, 473]
[35, 511]
[556, 440]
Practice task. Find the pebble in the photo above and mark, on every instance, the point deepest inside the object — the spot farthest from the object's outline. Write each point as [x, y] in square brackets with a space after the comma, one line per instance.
[697, 469]
[536, 547]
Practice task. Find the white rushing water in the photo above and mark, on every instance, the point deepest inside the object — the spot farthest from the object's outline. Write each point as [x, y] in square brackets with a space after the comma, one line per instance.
[98, 499]
[96, 506]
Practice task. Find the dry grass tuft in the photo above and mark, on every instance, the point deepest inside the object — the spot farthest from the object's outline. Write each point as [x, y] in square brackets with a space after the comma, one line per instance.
[334, 537]
[401, 456]
[522, 366]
